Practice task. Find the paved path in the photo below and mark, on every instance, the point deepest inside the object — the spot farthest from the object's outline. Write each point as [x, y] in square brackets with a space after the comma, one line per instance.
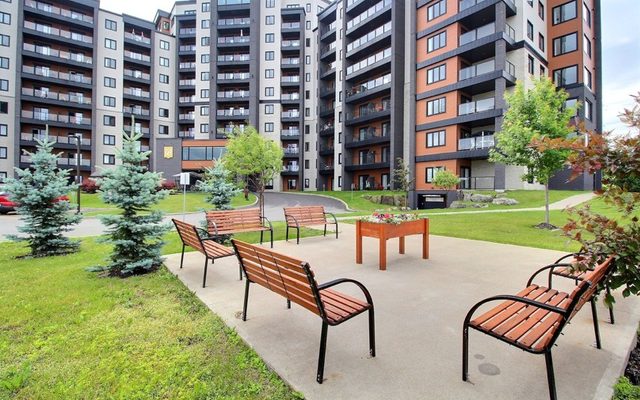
[91, 226]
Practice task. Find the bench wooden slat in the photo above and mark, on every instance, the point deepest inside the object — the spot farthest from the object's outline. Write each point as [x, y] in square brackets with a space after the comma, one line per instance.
[235, 221]
[529, 314]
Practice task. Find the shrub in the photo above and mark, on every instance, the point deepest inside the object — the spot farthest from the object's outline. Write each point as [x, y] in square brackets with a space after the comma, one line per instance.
[446, 180]
[168, 185]
[624, 390]
[89, 186]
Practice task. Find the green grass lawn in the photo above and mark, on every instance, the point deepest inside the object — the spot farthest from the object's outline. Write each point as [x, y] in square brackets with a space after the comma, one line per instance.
[66, 333]
[171, 204]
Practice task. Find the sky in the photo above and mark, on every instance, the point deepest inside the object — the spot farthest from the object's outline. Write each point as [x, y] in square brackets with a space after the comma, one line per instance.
[620, 50]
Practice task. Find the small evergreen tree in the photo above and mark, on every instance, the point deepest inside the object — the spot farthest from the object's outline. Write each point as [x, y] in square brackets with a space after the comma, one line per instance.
[40, 193]
[218, 187]
[402, 178]
[136, 237]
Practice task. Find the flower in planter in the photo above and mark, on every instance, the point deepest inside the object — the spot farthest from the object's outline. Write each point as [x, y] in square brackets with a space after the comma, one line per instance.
[388, 218]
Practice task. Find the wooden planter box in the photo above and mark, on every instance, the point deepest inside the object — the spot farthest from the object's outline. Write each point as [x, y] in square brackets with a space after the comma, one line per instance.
[385, 231]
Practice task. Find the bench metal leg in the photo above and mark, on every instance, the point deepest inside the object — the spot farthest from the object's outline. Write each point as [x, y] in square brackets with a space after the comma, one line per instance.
[372, 333]
[465, 352]
[261, 233]
[596, 328]
[246, 299]
[288, 304]
[323, 350]
[271, 236]
[204, 278]
[297, 235]
[611, 318]
[336, 230]
[240, 270]
[287, 235]
[182, 256]
[325, 229]
[550, 376]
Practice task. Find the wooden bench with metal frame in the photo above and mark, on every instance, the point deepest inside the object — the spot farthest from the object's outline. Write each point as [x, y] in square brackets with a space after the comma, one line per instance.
[207, 246]
[533, 319]
[294, 280]
[306, 216]
[228, 222]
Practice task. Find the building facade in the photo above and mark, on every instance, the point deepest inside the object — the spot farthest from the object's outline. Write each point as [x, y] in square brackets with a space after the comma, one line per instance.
[347, 88]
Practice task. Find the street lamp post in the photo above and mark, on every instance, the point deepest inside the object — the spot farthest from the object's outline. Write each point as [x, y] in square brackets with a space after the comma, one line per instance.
[78, 138]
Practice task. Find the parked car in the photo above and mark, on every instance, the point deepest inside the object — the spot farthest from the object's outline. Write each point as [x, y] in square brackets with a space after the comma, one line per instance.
[6, 205]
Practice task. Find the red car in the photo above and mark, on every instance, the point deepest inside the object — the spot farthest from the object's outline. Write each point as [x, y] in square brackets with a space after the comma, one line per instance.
[7, 205]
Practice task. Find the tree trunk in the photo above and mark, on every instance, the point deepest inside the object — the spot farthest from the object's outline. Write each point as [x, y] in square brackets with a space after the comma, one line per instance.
[546, 203]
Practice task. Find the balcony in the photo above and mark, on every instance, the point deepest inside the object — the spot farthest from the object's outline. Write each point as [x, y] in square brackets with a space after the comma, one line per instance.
[137, 111]
[326, 149]
[291, 114]
[233, 95]
[367, 137]
[287, 26]
[369, 114]
[188, 48]
[186, 99]
[476, 106]
[57, 11]
[135, 92]
[476, 34]
[233, 58]
[362, 91]
[368, 161]
[128, 73]
[61, 33]
[369, 61]
[327, 130]
[325, 111]
[75, 119]
[369, 37]
[290, 169]
[290, 134]
[328, 28]
[187, 65]
[368, 16]
[63, 140]
[141, 39]
[233, 22]
[464, 4]
[290, 97]
[63, 55]
[325, 168]
[232, 113]
[187, 82]
[233, 2]
[328, 50]
[145, 131]
[74, 98]
[66, 162]
[187, 32]
[136, 57]
[290, 44]
[477, 142]
[233, 40]
[291, 152]
[187, 117]
[326, 91]
[186, 134]
[477, 69]
[290, 62]
[46, 73]
[290, 80]
[233, 76]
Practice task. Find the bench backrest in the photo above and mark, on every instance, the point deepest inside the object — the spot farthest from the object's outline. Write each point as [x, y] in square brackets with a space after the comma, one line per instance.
[188, 234]
[588, 286]
[287, 276]
[305, 215]
[229, 221]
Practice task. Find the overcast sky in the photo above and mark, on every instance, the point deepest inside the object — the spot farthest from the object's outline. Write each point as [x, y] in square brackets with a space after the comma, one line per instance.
[620, 49]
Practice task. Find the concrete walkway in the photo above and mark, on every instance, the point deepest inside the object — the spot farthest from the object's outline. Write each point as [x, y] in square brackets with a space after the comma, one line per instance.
[420, 307]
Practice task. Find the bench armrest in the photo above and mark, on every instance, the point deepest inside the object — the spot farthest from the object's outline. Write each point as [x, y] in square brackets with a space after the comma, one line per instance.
[570, 255]
[287, 216]
[204, 235]
[265, 219]
[506, 297]
[335, 282]
[550, 268]
[335, 221]
[215, 226]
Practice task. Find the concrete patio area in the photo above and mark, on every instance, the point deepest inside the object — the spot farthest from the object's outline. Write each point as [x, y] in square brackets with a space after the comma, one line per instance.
[420, 306]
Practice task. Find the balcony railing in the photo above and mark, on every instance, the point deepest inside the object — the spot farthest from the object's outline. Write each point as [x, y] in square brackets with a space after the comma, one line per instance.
[136, 92]
[77, 98]
[32, 137]
[61, 161]
[188, 116]
[478, 182]
[47, 73]
[136, 111]
[233, 57]
[290, 168]
[291, 61]
[323, 166]
[137, 74]
[291, 151]
[224, 132]
[476, 142]
[187, 31]
[65, 55]
[476, 34]
[464, 4]
[186, 134]
[371, 133]
[187, 47]
[234, 21]
[48, 30]
[290, 79]
[186, 99]
[370, 85]
[187, 82]
[233, 39]
[368, 13]
[327, 109]
[328, 48]
[361, 41]
[187, 65]
[137, 56]
[233, 2]
[476, 106]
[291, 114]
[233, 76]
[329, 67]
[290, 96]
[290, 132]
[326, 128]
[137, 38]
[478, 69]
[46, 116]
[384, 54]
[230, 112]
[137, 129]
[371, 110]
[328, 28]
[290, 25]
[233, 94]
[48, 8]
[290, 43]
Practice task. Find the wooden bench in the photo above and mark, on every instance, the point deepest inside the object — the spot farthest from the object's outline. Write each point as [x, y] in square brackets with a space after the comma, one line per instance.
[294, 280]
[207, 246]
[307, 216]
[227, 222]
[533, 319]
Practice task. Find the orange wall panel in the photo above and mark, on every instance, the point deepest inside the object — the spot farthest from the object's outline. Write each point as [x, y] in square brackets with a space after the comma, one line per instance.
[451, 141]
[449, 165]
[421, 15]
[451, 109]
[451, 76]
[453, 31]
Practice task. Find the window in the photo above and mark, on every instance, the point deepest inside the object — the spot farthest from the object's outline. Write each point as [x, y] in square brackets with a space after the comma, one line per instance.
[268, 91]
[110, 25]
[564, 12]
[270, 20]
[588, 78]
[588, 107]
[3, 152]
[270, 3]
[571, 103]
[109, 140]
[437, 74]
[204, 128]
[543, 71]
[202, 153]
[5, 19]
[530, 3]
[4, 107]
[307, 77]
[307, 60]
[437, 41]
[430, 173]
[163, 129]
[437, 106]
[204, 93]
[3, 176]
[307, 25]
[206, 7]
[204, 76]
[109, 120]
[109, 82]
[204, 110]
[162, 95]
[268, 108]
[110, 62]
[269, 38]
[586, 14]
[109, 101]
[307, 42]
[269, 73]
[586, 43]
[205, 40]
[163, 78]
[565, 44]
[5, 40]
[204, 24]
[565, 76]
[437, 9]
[108, 159]
[4, 129]
[530, 30]
[164, 112]
[530, 64]
[541, 10]
[4, 62]
[541, 41]
[164, 45]
[436, 139]
[269, 55]
[164, 62]
[268, 126]
[110, 44]
[204, 58]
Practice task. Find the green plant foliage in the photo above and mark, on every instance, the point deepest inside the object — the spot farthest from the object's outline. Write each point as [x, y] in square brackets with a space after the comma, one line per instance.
[532, 115]
[39, 193]
[136, 232]
[625, 390]
[219, 188]
[446, 180]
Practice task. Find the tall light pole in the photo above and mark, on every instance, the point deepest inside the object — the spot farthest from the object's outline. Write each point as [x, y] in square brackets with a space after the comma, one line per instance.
[78, 139]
